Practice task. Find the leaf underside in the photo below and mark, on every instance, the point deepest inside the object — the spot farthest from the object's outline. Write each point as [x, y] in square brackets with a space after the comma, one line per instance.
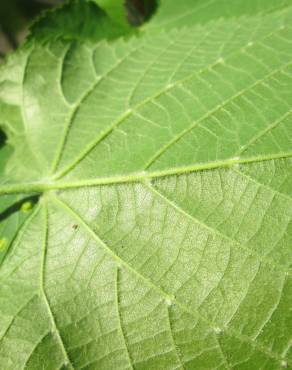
[162, 236]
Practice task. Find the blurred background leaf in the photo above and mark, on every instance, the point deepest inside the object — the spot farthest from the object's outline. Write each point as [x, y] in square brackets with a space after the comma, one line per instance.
[17, 15]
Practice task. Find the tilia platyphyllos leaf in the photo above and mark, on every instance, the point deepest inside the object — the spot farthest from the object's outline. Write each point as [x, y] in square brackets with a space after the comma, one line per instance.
[146, 189]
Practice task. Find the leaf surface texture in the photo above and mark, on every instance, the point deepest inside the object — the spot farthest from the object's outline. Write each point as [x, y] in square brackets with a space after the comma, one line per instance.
[162, 236]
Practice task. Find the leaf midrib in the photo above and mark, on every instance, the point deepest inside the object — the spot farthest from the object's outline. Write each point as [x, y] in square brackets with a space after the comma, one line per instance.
[43, 186]
[43, 289]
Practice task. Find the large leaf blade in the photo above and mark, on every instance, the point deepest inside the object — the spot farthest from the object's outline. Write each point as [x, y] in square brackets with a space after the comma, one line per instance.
[162, 235]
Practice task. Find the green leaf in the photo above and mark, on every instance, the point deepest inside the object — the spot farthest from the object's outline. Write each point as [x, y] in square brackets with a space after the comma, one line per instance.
[162, 236]
[115, 9]
[14, 208]
[174, 14]
[77, 20]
